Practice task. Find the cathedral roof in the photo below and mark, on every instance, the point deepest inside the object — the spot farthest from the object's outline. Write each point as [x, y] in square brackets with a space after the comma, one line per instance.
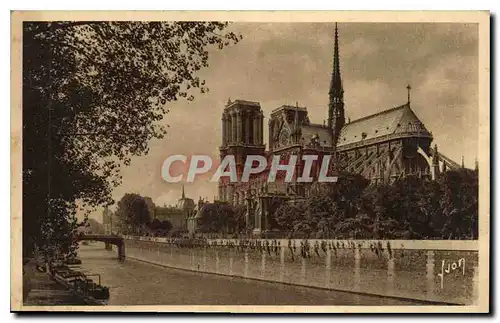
[289, 107]
[242, 102]
[185, 203]
[311, 130]
[399, 120]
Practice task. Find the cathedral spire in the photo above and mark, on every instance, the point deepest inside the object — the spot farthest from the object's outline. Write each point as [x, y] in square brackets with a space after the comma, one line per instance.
[183, 195]
[336, 117]
[336, 59]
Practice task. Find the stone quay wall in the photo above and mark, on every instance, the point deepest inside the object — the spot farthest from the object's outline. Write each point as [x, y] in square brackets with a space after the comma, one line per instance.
[442, 271]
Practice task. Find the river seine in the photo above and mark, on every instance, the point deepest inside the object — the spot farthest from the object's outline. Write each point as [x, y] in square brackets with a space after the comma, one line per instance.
[132, 282]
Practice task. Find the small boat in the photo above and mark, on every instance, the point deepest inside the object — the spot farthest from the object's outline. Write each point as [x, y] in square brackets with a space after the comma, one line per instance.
[81, 286]
[73, 261]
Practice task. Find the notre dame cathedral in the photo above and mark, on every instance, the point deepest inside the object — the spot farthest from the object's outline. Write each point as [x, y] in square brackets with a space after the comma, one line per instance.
[382, 147]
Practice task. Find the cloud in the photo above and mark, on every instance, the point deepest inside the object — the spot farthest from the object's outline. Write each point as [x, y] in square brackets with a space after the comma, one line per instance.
[360, 48]
[448, 103]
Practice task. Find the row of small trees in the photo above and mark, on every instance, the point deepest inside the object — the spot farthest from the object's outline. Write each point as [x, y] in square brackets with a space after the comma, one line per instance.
[409, 208]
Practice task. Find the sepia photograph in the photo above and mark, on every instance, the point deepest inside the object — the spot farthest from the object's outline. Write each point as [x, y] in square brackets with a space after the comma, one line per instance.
[250, 162]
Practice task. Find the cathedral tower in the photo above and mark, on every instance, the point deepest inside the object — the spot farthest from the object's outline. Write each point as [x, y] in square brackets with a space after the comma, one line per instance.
[336, 118]
[242, 135]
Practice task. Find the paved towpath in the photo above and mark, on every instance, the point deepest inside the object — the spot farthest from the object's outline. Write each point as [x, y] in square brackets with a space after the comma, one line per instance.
[46, 292]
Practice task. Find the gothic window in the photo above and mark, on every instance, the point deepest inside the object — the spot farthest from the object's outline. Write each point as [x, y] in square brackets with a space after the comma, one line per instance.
[277, 129]
[284, 137]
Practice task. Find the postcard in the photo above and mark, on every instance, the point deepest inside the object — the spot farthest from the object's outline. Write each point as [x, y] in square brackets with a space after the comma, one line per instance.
[250, 162]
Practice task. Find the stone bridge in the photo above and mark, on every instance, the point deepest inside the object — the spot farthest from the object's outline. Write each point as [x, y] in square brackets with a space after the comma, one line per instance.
[108, 241]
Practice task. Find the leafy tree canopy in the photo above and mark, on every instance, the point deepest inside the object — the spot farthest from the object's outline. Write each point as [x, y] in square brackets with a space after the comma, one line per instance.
[94, 94]
[133, 213]
[408, 208]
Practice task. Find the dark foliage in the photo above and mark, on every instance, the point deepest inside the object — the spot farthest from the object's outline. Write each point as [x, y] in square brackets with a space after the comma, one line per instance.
[94, 94]
[133, 214]
[217, 217]
[160, 228]
[409, 208]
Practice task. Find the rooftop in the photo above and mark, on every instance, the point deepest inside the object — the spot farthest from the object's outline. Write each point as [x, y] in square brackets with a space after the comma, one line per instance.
[400, 119]
[289, 107]
[185, 203]
[242, 102]
[322, 132]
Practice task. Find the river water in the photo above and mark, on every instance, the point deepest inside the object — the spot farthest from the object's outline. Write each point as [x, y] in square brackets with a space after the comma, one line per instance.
[132, 282]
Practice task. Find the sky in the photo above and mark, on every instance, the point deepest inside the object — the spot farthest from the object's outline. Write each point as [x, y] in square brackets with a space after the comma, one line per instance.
[285, 63]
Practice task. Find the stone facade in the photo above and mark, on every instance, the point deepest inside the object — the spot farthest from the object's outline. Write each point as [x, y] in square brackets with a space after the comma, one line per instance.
[179, 214]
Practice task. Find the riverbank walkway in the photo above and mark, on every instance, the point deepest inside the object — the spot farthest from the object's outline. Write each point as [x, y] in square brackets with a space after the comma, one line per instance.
[46, 292]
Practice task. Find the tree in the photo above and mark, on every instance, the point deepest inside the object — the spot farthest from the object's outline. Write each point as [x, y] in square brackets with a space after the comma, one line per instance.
[216, 217]
[321, 214]
[133, 213]
[95, 227]
[459, 204]
[160, 227]
[401, 203]
[237, 219]
[349, 186]
[355, 227]
[431, 210]
[94, 94]
[290, 216]
[377, 202]
[348, 217]
[155, 225]
[166, 226]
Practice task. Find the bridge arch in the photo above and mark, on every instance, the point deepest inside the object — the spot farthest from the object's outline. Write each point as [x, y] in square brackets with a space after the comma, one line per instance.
[108, 241]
